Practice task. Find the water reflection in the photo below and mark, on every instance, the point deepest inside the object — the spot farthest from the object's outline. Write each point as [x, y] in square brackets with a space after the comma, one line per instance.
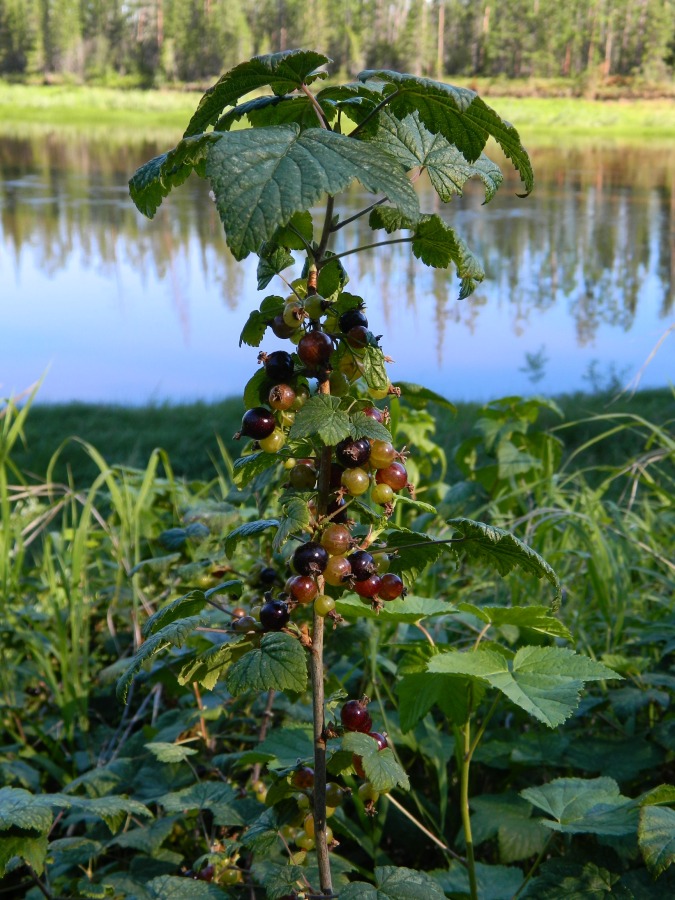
[592, 248]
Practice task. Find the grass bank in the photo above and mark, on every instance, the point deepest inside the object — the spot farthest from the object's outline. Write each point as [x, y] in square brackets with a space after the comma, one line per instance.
[189, 433]
[135, 114]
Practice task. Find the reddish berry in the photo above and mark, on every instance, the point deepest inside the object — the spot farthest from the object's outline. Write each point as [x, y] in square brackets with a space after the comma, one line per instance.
[357, 763]
[357, 337]
[355, 716]
[303, 778]
[394, 475]
[337, 571]
[315, 349]
[391, 587]
[380, 738]
[282, 396]
[369, 588]
[336, 539]
[374, 413]
[301, 588]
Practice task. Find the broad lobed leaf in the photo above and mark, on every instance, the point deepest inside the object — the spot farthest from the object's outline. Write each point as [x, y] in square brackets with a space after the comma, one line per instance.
[458, 114]
[278, 664]
[261, 177]
[283, 72]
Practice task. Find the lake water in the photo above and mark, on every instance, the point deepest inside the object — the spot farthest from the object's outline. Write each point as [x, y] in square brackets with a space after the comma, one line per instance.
[115, 308]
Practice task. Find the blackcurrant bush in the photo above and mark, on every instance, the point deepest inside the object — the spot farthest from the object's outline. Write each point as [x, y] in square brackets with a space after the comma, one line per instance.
[310, 558]
[274, 615]
[351, 319]
[257, 423]
[279, 366]
[363, 564]
[355, 716]
[353, 453]
[315, 349]
[391, 587]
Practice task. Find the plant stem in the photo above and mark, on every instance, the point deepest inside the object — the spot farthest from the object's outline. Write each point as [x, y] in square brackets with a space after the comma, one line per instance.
[325, 234]
[368, 247]
[358, 215]
[375, 111]
[534, 867]
[316, 669]
[317, 107]
[466, 815]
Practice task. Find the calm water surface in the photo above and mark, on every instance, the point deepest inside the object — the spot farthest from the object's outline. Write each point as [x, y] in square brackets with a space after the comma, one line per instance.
[116, 308]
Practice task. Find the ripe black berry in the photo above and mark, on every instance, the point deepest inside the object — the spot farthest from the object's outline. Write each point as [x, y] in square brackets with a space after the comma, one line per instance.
[257, 423]
[280, 328]
[355, 717]
[310, 558]
[279, 366]
[353, 453]
[351, 319]
[314, 349]
[363, 565]
[274, 615]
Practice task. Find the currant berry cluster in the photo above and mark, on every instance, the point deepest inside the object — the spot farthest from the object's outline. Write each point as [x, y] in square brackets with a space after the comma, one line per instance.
[354, 716]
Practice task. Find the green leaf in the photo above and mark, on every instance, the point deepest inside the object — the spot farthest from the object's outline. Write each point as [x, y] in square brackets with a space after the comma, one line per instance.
[287, 745]
[656, 838]
[493, 882]
[544, 681]
[246, 468]
[413, 145]
[381, 768]
[580, 881]
[394, 883]
[458, 114]
[254, 328]
[160, 563]
[508, 818]
[257, 390]
[113, 810]
[248, 530]
[374, 369]
[188, 605]
[279, 663]
[332, 277]
[435, 243]
[366, 426]
[150, 184]
[172, 887]
[502, 550]
[277, 880]
[409, 609]
[21, 811]
[321, 415]
[275, 260]
[170, 753]
[536, 618]
[584, 806]
[417, 694]
[207, 668]
[295, 521]
[147, 839]
[217, 797]
[261, 177]
[176, 633]
[297, 233]
[32, 850]
[284, 72]
[93, 890]
[418, 397]
[412, 560]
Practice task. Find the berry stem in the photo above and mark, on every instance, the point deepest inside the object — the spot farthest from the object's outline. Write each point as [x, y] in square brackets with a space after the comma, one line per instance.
[466, 815]
[317, 674]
